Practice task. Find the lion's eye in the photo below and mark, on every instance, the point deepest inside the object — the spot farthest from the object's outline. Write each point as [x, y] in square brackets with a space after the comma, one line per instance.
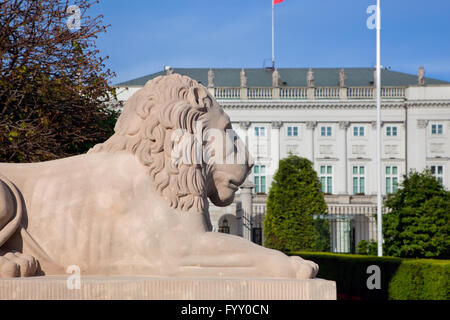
[207, 102]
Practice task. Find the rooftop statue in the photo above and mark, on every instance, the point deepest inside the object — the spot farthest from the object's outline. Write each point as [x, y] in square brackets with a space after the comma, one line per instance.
[211, 78]
[276, 79]
[138, 203]
[342, 78]
[243, 79]
[310, 78]
[421, 76]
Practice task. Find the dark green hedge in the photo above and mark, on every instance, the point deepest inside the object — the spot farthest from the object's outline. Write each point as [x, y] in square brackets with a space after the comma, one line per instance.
[401, 279]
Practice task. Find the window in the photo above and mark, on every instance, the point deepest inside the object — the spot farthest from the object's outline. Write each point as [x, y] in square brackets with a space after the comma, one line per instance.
[437, 129]
[260, 131]
[391, 179]
[224, 227]
[391, 131]
[325, 131]
[260, 178]
[438, 173]
[359, 180]
[358, 131]
[326, 179]
[257, 235]
[292, 131]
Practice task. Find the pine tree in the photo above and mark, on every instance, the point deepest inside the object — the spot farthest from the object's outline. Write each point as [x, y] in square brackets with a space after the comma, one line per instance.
[418, 223]
[295, 198]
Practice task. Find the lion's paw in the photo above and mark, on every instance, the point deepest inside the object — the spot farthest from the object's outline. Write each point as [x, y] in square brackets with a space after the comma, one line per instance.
[305, 269]
[16, 264]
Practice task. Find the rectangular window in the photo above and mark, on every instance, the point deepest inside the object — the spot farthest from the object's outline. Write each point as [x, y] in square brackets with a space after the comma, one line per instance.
[326, 179]
[438, 173]
[292, 131]
[257, 235]
[260, 178]
[325, 131]
[359, 180]
[437, 129]
[391, 131]
[260, 131]
[358, 131]
[391, 179]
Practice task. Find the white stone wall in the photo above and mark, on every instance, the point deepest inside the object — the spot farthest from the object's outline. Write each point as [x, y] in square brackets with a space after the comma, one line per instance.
[414, 148]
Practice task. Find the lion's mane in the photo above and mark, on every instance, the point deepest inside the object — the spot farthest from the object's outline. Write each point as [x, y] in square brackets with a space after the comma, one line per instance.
[145, 128]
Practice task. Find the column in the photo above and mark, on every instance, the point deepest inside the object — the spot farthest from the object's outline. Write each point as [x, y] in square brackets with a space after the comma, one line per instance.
[244, 125]
[344, 125]
[420, 145]
[275, 144]
[247, 209]
[311, 125]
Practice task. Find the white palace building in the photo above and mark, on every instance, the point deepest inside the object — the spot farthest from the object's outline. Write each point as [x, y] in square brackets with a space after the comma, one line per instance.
[327, 115]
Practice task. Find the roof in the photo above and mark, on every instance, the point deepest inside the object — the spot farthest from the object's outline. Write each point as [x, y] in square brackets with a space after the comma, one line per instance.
[291, 77]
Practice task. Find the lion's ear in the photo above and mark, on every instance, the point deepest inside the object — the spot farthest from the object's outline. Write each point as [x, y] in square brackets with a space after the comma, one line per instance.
[196, 96]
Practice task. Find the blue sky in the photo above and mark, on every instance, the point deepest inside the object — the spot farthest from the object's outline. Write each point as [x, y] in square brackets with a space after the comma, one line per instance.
[146, 35]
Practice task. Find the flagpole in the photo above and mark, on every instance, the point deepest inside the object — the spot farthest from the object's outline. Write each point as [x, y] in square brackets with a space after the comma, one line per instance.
[273, 34]
[379, 166]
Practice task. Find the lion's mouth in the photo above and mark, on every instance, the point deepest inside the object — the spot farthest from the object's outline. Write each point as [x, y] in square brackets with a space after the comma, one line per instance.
[233, 185]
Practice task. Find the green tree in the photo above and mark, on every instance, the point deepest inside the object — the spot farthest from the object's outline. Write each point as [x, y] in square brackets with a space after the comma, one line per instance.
[53, 83]
[419, 218]
[294, 200]
[367, 247]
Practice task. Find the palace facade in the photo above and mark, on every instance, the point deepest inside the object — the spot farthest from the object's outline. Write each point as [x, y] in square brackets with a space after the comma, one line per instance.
[327, 115]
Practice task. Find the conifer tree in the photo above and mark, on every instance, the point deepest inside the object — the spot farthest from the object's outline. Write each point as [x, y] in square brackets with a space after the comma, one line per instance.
[294, 200]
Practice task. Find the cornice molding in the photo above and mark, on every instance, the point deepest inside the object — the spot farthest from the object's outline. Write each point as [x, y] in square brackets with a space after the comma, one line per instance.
[319, 104]
[330, 104]
[428, 103]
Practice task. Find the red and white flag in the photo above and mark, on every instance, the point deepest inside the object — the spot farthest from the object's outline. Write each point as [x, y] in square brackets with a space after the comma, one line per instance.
[277, 1]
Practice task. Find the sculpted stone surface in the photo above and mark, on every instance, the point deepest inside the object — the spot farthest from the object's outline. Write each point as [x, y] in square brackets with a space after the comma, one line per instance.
[211, 78]
[342, 78]
[310, 78]
[421, 76]
[243, 79]
[138, 203]
[276, 79]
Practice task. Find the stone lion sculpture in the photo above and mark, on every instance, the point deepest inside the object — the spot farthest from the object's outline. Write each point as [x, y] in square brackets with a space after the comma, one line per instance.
[131, 206]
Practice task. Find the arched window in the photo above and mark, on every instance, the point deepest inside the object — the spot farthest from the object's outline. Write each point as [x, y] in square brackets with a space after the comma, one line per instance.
[224, 228]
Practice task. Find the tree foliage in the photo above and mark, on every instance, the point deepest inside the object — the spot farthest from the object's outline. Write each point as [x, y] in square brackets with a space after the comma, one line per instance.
[53, 84]
[294, 200]
[419, 219]
[367, 247]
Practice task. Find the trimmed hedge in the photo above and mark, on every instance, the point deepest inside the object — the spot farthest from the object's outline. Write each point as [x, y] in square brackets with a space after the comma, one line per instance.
[401, 279]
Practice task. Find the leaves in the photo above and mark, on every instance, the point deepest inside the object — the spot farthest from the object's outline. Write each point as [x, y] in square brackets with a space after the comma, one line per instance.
[418, 222]
[294, 199]
[53, 83]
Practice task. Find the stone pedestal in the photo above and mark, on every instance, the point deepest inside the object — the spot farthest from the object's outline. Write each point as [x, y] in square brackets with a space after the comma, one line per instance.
[146, 288]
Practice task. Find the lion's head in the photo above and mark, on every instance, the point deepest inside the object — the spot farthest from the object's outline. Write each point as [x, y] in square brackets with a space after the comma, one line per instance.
[181, 134]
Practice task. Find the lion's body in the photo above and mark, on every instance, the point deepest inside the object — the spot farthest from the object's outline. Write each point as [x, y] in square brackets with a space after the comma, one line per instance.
[127, 208]
[97, 215]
